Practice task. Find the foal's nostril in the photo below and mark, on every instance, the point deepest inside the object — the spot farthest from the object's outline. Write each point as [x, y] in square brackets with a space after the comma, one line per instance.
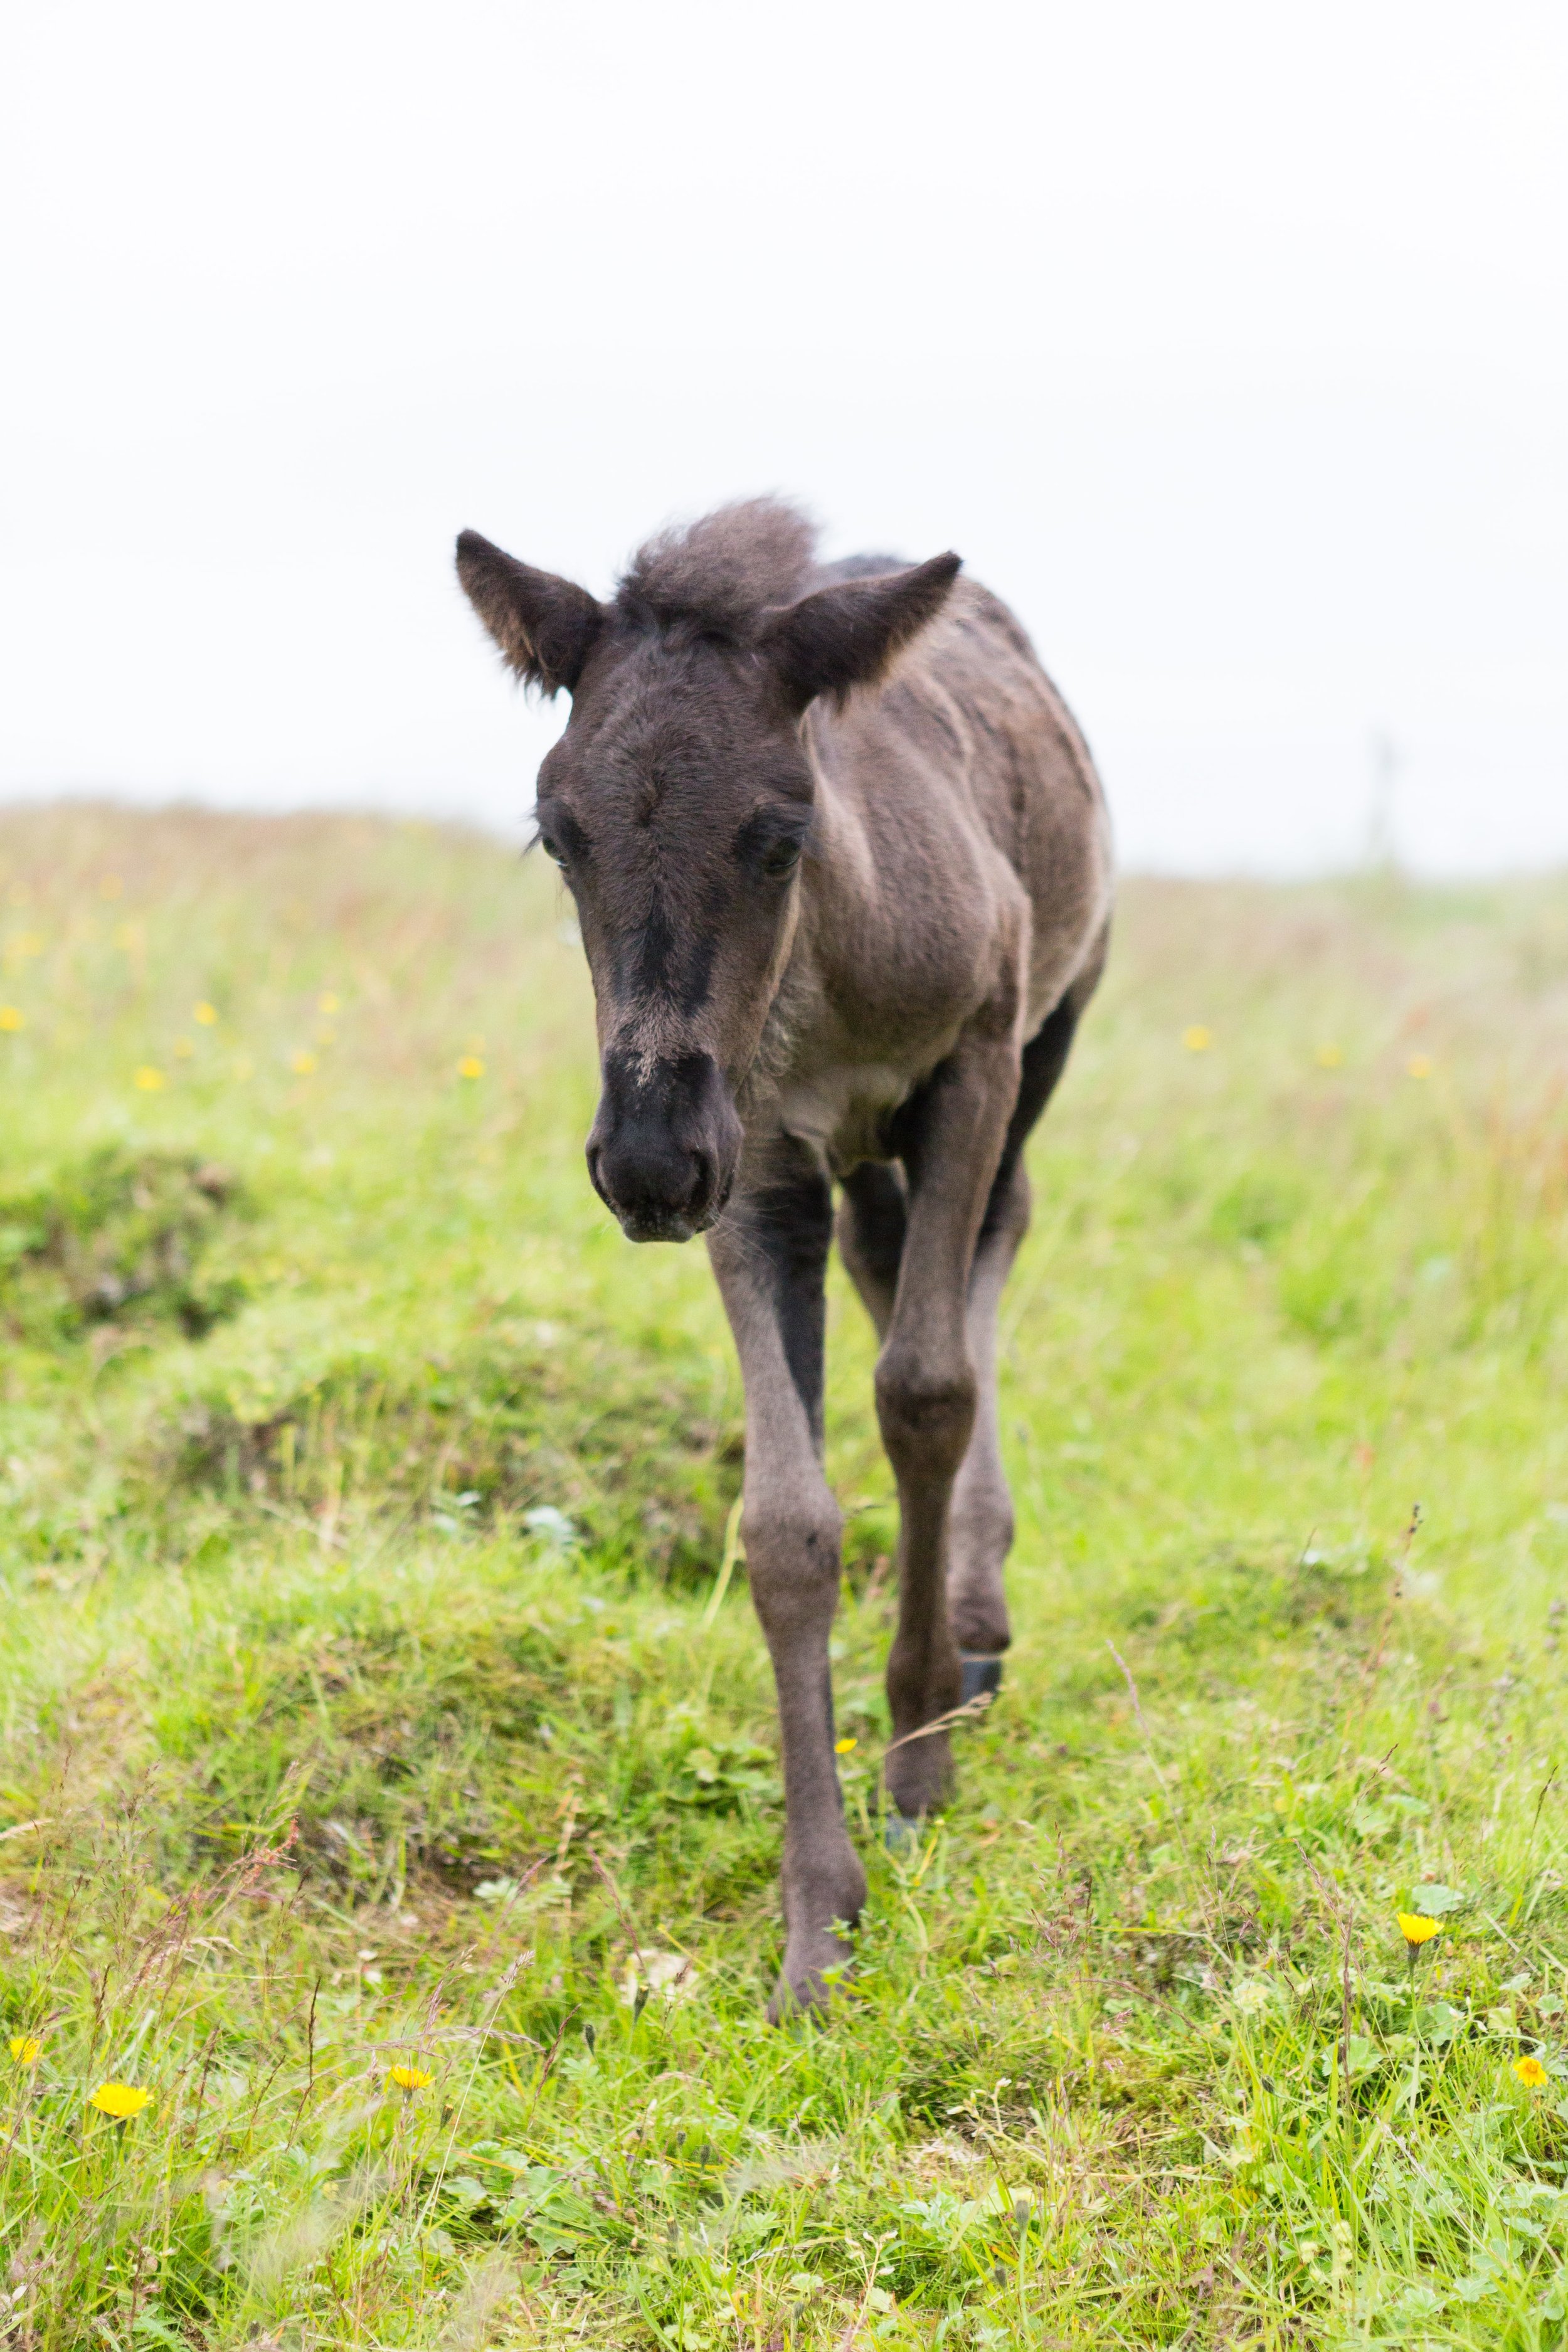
[700, 1195]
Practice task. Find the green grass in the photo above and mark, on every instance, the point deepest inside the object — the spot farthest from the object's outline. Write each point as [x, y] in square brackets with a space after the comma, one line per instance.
[363, 1493]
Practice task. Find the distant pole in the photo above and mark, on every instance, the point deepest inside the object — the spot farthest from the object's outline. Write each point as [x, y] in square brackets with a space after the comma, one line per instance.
[1386, 763]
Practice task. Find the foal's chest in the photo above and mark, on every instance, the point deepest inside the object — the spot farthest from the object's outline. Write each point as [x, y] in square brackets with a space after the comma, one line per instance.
[842, 1114]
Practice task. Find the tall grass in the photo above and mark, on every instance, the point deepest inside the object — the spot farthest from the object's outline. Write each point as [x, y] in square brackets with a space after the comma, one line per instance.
[360, 1710]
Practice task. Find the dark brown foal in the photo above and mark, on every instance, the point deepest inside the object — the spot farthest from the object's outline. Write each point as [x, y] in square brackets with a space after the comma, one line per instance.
[842, 867]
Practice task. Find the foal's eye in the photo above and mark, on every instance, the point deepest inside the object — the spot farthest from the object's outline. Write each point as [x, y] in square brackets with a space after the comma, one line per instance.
[781, 858]
[551, 848]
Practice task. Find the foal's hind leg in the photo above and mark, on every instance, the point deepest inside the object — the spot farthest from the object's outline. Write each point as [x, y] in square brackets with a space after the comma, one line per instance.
[872, 1217]
[981, 1534]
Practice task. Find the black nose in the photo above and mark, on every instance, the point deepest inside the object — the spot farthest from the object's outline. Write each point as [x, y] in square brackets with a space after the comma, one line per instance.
[659, 1192]
[664, 1145]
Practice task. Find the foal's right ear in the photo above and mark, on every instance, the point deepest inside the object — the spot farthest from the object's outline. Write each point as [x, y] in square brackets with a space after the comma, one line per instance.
[544, 625]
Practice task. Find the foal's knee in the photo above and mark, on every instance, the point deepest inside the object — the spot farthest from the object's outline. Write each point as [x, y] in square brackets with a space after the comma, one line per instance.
[792, 1558]
[926, 1409]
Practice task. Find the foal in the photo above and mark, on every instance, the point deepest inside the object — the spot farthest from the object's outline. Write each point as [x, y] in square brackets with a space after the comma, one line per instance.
[842, 867]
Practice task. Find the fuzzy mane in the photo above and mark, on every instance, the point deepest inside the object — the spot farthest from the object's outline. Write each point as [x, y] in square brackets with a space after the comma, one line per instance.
[717, 575]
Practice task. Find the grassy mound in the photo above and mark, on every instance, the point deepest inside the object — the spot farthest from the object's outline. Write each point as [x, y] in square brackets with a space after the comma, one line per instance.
[118, 1236]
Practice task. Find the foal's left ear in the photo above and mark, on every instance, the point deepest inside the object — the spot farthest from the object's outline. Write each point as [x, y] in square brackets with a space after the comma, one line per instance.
[848, 636]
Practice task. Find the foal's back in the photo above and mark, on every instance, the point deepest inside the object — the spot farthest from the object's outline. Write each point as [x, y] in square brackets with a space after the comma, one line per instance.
[966, 755]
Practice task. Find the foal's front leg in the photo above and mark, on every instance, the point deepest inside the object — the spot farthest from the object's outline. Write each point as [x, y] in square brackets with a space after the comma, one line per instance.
[770, 1255]
[927, 1387]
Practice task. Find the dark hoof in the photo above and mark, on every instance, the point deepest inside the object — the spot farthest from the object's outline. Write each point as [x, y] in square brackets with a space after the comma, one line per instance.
[901, 1834]
[980, 1675]
[805, 1990]
[793, 2004]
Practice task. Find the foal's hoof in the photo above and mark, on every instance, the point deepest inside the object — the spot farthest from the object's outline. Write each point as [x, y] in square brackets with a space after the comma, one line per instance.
[901, 1834]
[980, 1674]
[806, 1988]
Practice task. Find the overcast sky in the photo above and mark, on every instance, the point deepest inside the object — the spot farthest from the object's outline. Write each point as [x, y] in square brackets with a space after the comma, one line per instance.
[1228, 342]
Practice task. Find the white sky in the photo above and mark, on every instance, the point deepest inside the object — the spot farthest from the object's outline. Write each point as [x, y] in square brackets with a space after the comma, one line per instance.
[1229, 343]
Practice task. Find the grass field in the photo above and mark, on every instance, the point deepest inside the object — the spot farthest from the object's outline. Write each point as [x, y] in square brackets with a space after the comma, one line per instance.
[365, 1712]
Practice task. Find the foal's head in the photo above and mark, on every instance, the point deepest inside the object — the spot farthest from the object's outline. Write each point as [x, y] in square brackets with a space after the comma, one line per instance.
[678, 804]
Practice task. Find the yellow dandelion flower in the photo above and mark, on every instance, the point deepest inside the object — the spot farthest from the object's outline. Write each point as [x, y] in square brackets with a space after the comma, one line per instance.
[1197, 1039]
[184, 1049]
[1419, 1065]
[303, 1065]
[204, 1012]
[410, 2078]
[1328, 1058]
[845, 1747]
[1417, 1930]
[470, 1067]
[26, 2049]
[149, 1080]
[1530, 2073]
[120, 2100]
[11, 1018]
[328, 1002]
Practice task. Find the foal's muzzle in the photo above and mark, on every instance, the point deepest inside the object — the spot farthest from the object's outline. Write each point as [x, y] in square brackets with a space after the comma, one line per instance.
[663, 1148]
